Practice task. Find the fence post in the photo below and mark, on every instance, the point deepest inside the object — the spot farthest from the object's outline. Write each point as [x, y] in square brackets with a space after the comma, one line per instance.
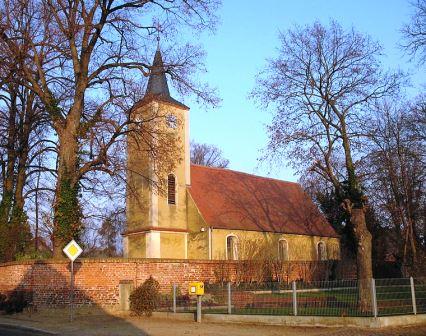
[413, 296]
[229, 299]
[294, 298]
[174, 298]
[373, 296]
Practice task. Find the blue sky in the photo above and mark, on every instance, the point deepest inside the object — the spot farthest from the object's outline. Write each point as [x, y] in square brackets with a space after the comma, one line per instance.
[247, 36]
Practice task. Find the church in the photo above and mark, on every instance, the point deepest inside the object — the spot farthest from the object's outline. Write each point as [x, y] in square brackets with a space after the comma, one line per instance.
[212, 213]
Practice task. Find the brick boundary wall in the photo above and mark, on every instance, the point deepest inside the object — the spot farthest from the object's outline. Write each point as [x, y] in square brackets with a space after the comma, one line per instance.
[97, 280]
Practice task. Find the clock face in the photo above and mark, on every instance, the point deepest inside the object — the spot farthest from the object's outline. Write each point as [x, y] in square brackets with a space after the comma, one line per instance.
[172, 121]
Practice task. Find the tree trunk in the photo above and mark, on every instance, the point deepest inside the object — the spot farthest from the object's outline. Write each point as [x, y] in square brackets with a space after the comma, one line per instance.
[355, 207]
[20, 230]
[8, 178]
[412, 240]
[22, 165]
[6, 202]
[364, 264]
[66, 210]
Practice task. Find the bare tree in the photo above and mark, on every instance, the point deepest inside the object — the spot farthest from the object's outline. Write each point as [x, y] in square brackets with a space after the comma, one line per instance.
[80, 57]
[22, 126]
[207, 155]
[104, 241]
[395, 164]
[417, 124]
[414, 32]
[321, 85]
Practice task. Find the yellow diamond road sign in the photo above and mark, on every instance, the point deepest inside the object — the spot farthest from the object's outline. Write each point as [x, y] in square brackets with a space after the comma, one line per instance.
[72, 250]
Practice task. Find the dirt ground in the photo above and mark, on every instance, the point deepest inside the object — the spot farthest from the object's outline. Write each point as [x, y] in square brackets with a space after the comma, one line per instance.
[91, 323]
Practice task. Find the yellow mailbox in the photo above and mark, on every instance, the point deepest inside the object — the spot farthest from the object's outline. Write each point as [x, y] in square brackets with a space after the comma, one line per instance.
[196, 288]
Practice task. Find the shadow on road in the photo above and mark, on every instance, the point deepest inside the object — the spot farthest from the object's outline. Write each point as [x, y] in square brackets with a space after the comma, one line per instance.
[6, 330]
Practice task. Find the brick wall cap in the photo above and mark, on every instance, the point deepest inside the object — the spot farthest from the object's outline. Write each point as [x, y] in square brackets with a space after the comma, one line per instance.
[134, 260]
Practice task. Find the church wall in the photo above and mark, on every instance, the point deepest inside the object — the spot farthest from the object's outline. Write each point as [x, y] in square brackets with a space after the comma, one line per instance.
[147, 204]
[198, 245]
[169, 215]
[139, 189]
[173, 245]
[138, 193]
[252, 243]
[136, 245]
[265, 245]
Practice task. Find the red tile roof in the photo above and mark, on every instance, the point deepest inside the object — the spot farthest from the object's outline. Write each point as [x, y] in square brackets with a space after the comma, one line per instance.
[228, 199]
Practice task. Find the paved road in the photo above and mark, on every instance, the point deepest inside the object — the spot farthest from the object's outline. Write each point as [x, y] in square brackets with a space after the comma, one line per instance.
[19, 331]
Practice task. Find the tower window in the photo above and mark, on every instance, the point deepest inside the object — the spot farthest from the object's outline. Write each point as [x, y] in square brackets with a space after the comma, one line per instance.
[322, 251]
[171, 189]
[231, 248]
[282, 250]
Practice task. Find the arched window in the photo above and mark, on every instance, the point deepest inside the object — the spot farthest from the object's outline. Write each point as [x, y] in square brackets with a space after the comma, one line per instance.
[231, 248]
[322, 251]
[282, 250]
[171, 189]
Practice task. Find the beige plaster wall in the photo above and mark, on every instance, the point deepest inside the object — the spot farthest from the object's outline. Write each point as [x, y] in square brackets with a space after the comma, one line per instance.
[198, 245]
[175, 216]
[252, 244]
[138, 194]
[265, 244]
[136, 245]
[173, 245]
[147, 205]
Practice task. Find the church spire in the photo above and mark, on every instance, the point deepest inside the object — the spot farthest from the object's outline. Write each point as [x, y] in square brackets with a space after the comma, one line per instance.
[157, 83]
[157, 88]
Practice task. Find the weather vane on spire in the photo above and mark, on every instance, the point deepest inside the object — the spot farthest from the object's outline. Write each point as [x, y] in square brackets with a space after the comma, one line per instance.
[158, 29]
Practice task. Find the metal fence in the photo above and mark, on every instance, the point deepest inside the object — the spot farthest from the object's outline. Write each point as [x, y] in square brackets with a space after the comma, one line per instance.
[321, 298]
[177, 300]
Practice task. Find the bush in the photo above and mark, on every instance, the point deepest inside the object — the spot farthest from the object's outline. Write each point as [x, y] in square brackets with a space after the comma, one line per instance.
[15, 302]
[144, 299]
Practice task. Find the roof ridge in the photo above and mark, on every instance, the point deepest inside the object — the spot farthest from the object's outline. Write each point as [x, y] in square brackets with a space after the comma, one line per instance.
[244, 173]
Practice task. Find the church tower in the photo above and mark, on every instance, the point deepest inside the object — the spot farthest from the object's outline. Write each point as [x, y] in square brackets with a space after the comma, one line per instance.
[158, 172]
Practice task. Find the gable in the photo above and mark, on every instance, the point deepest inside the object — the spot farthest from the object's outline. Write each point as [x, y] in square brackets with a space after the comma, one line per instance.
[233, 200]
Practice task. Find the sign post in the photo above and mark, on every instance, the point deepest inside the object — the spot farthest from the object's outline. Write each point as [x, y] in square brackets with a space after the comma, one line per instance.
[72, 251]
